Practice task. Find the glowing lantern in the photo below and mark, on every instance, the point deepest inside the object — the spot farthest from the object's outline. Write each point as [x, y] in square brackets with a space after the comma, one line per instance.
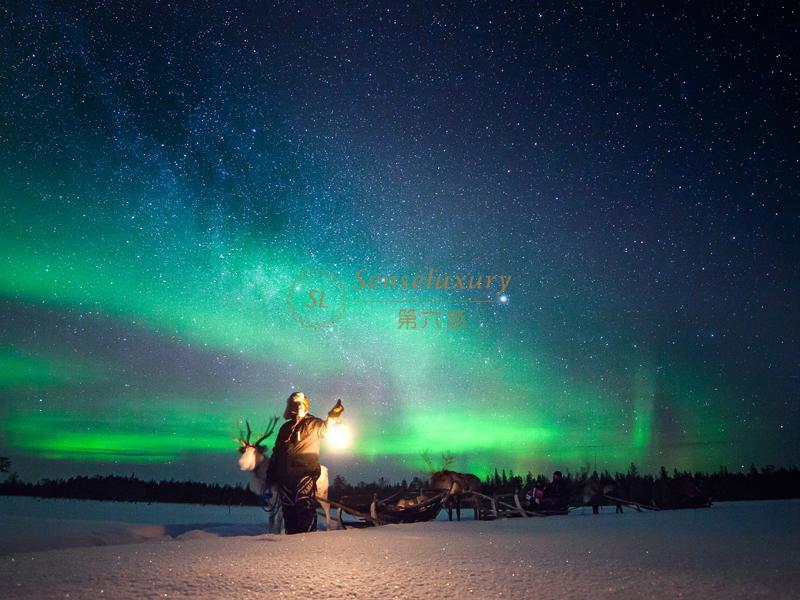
[338, 437]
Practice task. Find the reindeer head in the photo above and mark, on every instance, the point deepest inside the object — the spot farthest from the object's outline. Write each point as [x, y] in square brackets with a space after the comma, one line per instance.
[252, 453]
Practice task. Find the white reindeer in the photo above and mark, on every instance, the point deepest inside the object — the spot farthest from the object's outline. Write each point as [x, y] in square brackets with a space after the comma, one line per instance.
[252, 459]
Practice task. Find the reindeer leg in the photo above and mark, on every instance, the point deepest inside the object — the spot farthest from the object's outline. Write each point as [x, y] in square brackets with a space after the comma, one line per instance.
[276, 513]
[326, 508]
[458, 507]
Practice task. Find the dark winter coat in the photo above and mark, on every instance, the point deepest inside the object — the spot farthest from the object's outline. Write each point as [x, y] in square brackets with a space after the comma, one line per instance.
[296, 451]
[557, 489]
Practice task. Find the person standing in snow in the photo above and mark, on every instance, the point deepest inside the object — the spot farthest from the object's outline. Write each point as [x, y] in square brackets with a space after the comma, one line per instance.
[294, 464]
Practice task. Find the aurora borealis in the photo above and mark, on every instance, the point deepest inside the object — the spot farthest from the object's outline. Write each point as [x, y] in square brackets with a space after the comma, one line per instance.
[175, 177]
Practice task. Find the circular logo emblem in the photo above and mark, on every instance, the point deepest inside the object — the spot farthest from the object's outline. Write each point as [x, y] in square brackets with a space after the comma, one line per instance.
[317, 299]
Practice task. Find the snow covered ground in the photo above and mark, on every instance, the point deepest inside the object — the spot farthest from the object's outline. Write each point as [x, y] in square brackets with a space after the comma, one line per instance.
[28, 524]
[732, 550]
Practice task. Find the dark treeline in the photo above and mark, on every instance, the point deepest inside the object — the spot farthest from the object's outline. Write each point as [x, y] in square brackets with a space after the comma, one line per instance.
[755, 484]
[131, 489]
[767, 483]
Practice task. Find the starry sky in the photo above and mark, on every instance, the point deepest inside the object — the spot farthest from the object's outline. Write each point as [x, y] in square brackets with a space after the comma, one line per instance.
[175, 177]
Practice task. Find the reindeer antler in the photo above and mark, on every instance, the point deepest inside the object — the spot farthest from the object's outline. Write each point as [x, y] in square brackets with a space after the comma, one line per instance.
[270, 428]
[426, 457]
[240, 439]
[447, 460]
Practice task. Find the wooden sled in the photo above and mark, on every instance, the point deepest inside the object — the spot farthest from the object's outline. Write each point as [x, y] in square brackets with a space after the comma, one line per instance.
[679, 505]
[377, 512]
[509, 506]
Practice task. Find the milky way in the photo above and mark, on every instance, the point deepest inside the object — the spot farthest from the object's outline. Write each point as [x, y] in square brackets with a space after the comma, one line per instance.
[177, 183]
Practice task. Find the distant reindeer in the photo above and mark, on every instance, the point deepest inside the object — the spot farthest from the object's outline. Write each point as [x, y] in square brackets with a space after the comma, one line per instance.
[253, 459]
[458, 485]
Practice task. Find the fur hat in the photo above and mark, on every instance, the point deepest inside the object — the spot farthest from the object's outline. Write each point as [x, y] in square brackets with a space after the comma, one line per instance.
[293, 404]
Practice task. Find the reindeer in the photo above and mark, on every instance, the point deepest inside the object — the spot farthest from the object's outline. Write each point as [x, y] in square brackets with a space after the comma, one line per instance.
[457, 485]
[252, 459]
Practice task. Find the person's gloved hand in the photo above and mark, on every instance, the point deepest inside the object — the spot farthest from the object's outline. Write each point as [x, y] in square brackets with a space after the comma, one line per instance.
[336, 411]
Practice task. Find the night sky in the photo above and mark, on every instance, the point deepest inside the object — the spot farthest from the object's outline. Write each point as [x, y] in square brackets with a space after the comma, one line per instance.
[175, 177]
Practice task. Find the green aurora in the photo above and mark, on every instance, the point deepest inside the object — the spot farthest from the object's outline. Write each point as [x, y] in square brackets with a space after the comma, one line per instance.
[480, 394]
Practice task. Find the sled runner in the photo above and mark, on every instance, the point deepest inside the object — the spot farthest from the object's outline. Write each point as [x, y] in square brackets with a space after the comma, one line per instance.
[638, 506]
[681, 503]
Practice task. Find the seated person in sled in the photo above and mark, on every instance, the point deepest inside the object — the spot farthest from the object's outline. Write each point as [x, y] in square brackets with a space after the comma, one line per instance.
[554, 496]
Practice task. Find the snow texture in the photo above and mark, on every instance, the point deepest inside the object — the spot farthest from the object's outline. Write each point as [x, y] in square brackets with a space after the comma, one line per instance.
[732, 550]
